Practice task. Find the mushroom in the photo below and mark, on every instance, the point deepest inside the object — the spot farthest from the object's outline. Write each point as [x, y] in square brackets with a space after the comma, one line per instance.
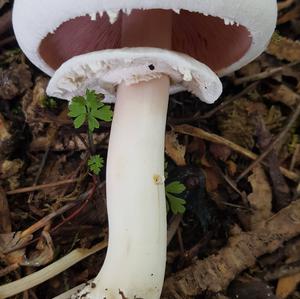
[135, 53]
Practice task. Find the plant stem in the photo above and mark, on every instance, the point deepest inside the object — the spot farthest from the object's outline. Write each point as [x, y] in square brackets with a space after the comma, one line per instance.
[91, 142]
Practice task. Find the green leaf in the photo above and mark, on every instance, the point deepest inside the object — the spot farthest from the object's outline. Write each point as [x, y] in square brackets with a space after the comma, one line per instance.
[92, 123]
[95, 164]
[89, 108]
[92, 100]
[175, 188]
[177, 204]
[79, 121]
[77, 107]
[104, 113]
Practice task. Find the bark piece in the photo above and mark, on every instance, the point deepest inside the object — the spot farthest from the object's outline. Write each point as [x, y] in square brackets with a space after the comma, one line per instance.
[217, 271]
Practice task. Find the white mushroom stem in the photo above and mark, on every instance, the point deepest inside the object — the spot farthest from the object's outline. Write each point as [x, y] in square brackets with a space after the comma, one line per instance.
[135, 262]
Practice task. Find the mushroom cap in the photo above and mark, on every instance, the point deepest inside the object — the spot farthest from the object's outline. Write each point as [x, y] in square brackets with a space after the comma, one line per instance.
[103, 70]
[34, 19]
[223, 34]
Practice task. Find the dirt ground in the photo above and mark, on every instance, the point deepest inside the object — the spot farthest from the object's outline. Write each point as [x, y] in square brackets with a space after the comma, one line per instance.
[239, 160]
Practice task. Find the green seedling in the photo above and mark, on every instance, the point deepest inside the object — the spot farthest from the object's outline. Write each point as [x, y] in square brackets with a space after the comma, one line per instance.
[95, 164]
[89, 109]
[175, 203]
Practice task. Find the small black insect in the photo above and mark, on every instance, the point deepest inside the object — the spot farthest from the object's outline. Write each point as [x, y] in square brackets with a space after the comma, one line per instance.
[151, 67]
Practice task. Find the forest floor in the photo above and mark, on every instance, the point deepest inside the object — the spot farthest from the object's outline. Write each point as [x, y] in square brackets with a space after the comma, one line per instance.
[235, 233]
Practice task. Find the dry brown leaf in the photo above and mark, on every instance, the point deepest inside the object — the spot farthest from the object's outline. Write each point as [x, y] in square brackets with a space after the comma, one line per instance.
[284, 95]
[213, 180]
[260, 199]
[287, 285]
[285, 4]
[290, 15]
[175, 150]
[11, 241]
[43, 254]
[231, 168]
[284, 48]
[220, 151]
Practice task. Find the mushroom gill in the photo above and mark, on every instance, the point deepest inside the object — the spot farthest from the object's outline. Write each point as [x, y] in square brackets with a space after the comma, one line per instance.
[208, 39]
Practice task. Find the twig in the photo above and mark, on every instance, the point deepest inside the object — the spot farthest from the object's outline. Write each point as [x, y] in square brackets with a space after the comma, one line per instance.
[78, 211]
[48, 272]
[44, 186]
[209, 114]
[199, 133]
[41, 223]
[276, 142]
[217, 271]
[52, 134]
[172, 229]
[268, 73]
[44, 221]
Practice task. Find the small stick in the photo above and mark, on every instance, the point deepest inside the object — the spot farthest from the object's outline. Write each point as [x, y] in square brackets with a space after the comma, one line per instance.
[199, 133]
[268, 73]
[44, 186]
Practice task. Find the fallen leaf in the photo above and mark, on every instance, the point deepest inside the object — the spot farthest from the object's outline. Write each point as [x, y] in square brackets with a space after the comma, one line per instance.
[220, 151]
[231, 168]
[284, 48]
[285, 4]
[43, 254]
[287, 285]
[260, 199]
[13, 240]
[285, 95]
[281, 190]
[290, 15]
[213, 179]
[175, 150]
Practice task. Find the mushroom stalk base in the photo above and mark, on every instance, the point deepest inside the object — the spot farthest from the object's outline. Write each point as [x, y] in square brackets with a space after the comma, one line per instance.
[135, 262]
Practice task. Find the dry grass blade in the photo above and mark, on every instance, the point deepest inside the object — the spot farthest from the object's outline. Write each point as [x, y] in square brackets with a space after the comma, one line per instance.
[48, 272]
[197, 132]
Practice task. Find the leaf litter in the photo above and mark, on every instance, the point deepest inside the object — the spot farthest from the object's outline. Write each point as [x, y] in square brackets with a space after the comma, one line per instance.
[228, 224]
